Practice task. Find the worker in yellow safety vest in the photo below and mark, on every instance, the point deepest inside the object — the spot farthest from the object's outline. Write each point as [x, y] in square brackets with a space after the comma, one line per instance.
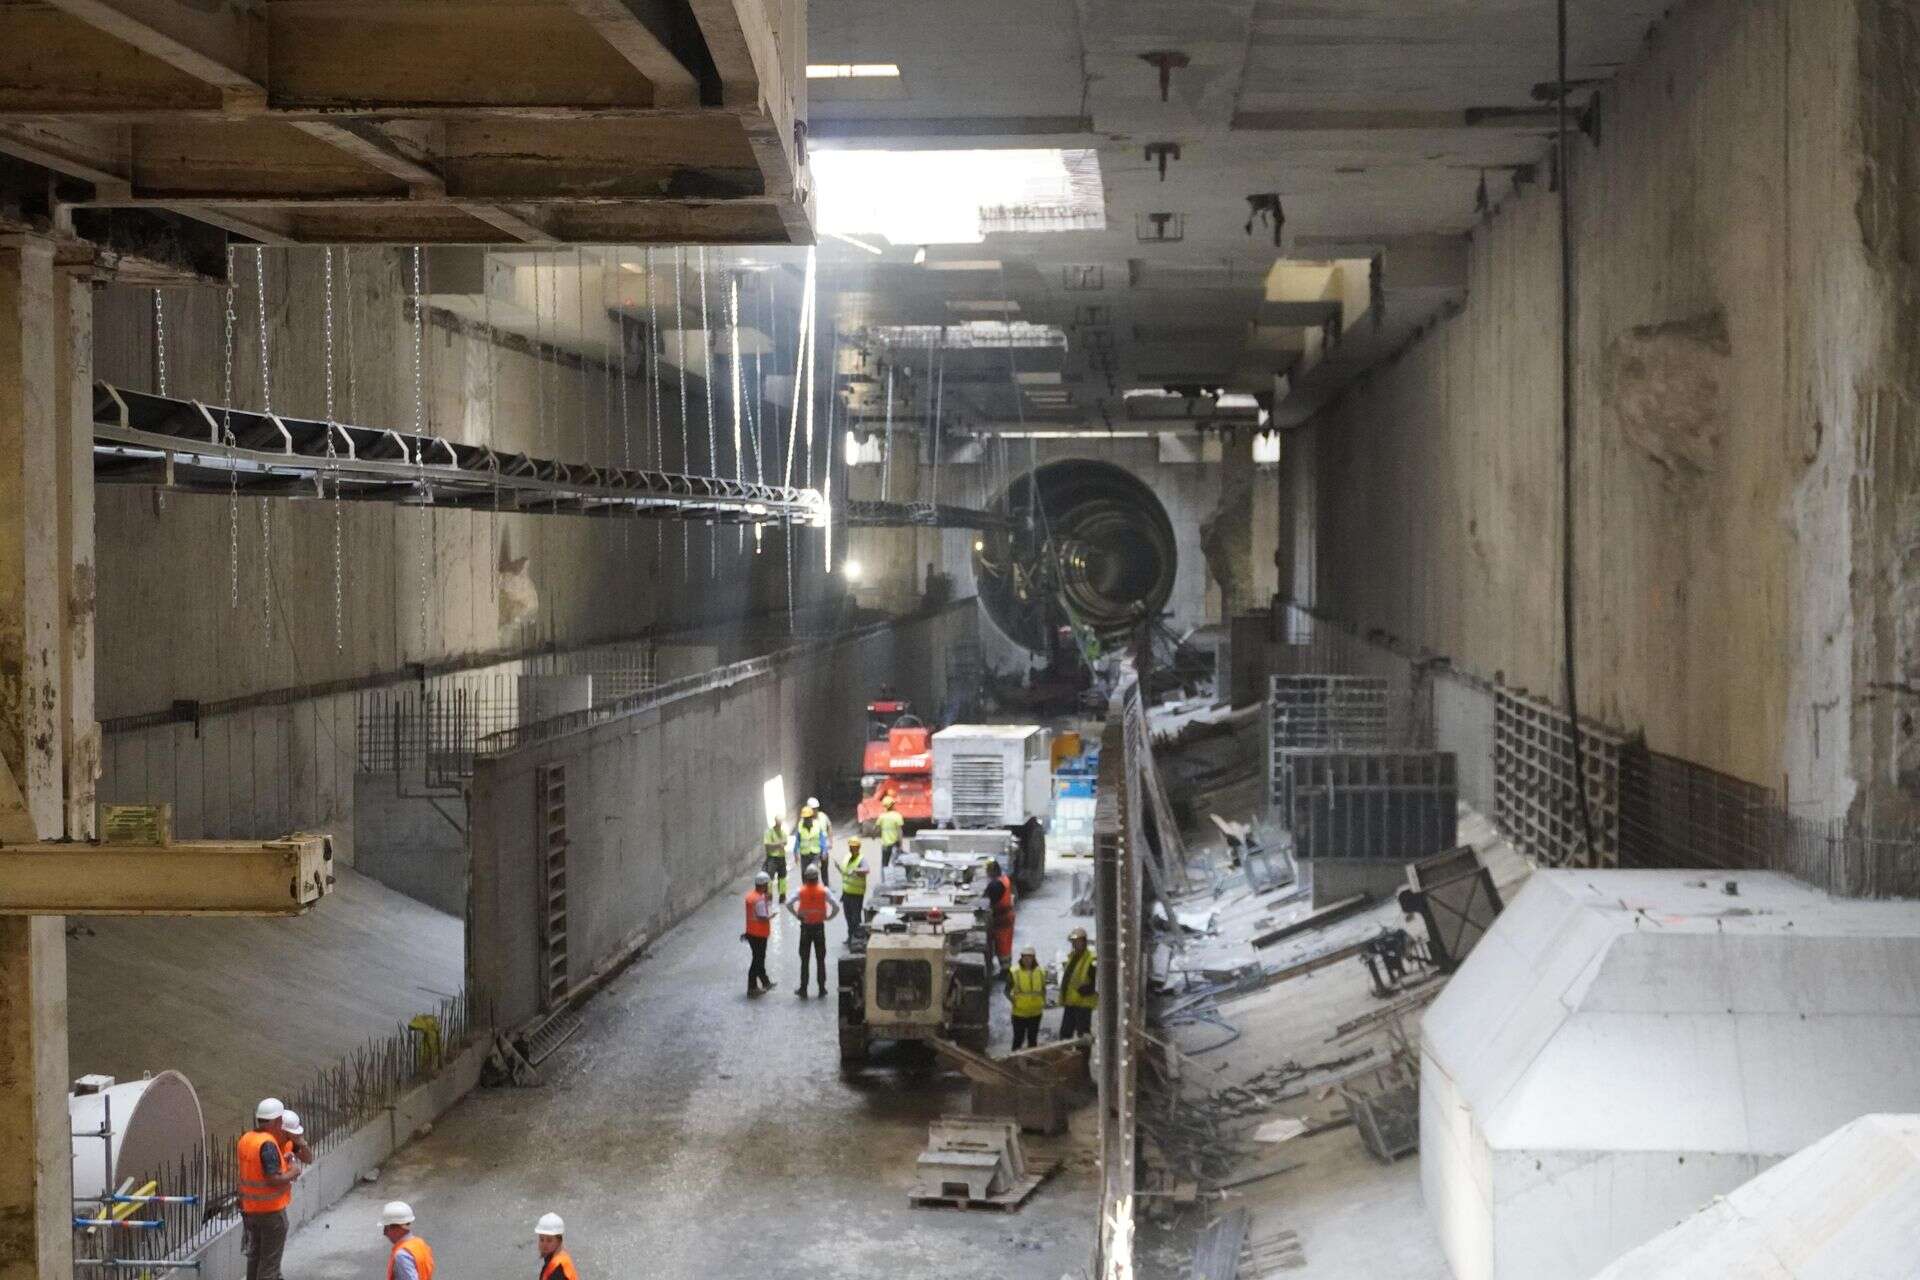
[773, 856]
[892, 827]
[1079, 992]
[853, 887]
[811, 842]
[1027, 985]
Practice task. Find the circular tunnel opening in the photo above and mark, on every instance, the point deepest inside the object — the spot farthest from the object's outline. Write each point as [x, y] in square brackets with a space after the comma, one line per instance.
[1091, 545]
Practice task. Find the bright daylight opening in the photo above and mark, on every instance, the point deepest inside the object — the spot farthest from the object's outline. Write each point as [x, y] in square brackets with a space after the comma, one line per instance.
[956, 197]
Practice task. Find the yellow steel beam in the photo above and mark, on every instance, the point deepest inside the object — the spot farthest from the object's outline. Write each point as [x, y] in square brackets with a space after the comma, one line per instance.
[190, 878]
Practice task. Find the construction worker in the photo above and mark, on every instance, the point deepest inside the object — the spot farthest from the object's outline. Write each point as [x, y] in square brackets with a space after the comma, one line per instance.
[773, 855]
[759, 930]
[1079, 993]
[264, 1180]
[292, 1139]
[555, 1262]
[853, 886]
[892, 827]
[999, 895]
[826, 819]
[810, 841]
[1027, 986]
[411, 1259]
[812, 906]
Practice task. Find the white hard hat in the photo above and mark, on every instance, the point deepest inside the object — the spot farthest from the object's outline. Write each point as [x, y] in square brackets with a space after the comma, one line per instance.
[813, 801]
[762, 878]
[550, 1224]
[290, 1122]
[269, 1109]
[397, 1213]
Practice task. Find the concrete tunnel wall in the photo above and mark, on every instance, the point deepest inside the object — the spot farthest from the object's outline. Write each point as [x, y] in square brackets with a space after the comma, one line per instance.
[1746, 590]
[664, 806]
[418, 585]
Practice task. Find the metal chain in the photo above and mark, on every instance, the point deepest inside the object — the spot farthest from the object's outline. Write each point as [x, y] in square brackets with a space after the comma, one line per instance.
[160, 360]
[713, 442]
[733, 371]
[266, 400]
[226, 438]
[655, 411]
[333, 467]
[626, 422]
[420, 444]
[160, 338]
[680, 328]
[493, 425]
[886, 451]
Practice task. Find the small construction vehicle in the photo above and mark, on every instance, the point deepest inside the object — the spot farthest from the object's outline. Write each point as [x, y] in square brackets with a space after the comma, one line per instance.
[897, 761]
[997, 780]
[917, 971]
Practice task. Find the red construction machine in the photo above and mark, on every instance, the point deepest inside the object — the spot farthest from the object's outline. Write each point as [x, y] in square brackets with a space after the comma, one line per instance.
[898, 762]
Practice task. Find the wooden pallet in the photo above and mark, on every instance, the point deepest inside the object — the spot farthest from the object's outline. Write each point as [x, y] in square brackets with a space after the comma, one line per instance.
[1006, 1202]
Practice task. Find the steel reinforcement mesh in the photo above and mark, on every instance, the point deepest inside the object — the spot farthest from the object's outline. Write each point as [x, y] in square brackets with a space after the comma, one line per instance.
[1535, 798]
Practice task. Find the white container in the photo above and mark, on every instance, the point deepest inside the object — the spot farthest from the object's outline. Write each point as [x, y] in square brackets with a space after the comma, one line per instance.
[991, 775]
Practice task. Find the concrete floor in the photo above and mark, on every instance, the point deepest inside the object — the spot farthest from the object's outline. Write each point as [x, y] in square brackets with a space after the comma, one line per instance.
[246, 1007]
[689, 1132]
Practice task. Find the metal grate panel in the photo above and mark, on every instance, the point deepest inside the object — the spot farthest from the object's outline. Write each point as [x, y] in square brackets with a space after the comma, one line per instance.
[1385, 805]
[1535, 800]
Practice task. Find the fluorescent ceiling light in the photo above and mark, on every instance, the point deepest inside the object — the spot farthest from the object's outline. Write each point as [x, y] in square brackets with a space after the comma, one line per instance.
[1150, 393]
[943, 197]
[853, 71]
[992, 306]
[1236, 400]
[964, 264]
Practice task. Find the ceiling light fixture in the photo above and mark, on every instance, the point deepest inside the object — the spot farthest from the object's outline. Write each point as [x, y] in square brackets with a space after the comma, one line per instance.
[853, 71]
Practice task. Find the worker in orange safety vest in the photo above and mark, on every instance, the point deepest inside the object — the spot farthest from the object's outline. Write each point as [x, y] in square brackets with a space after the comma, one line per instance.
[999, 894]
[411, 1259]
[264, 1180]
[759, 929]
[555, 1262]
[812, 906]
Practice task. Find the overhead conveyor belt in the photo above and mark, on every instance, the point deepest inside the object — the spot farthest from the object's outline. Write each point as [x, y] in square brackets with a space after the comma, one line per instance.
[881, 515]
[141, 438]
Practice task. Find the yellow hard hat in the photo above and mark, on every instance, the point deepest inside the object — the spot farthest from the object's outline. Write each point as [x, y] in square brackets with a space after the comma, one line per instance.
[853, 842]
[806, 811]
[886, 802]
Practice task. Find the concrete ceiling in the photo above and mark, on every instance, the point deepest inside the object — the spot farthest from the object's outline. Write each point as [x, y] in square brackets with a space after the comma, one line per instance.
[1375, 122]
[404, 121]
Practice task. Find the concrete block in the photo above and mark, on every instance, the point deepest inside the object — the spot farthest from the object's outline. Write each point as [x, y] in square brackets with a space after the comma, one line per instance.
[1622, 1046]
[1845, 1208]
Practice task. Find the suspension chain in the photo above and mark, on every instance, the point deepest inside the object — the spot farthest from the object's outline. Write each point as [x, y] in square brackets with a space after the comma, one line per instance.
[420, 445]
[333, 466]
[266, 400]
[226, 438]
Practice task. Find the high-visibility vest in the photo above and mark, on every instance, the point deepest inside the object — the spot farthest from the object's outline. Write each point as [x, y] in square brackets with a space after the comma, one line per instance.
[774, 843]
[813, 904]
[1003, 909]
[892, 826]
[558, 1267]
[1029, 991]
[809, 837]
[759, 914]
[1077, 970]
[257, 1195]
[853, 874]
[422, 1257]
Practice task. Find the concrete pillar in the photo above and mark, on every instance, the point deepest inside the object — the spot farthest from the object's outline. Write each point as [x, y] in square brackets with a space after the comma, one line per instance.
[44, 351]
